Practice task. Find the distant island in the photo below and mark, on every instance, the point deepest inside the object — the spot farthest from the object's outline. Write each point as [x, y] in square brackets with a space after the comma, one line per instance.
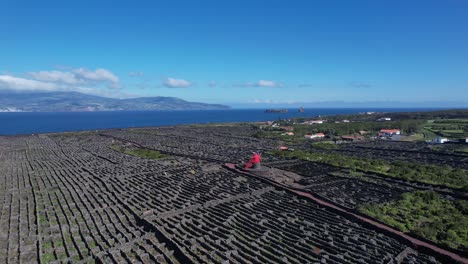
[276, 111]
[78, 102]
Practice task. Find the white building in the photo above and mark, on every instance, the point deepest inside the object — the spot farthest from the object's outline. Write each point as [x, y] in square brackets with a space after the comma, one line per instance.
[384, 119]
[440, 140]
[316, 135]
[310, 122]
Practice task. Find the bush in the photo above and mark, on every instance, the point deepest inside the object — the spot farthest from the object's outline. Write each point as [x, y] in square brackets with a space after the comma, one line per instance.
[426, 214]
[440, 175]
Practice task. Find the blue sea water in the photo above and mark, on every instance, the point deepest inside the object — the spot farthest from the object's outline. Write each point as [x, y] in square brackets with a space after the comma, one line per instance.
[29, 123]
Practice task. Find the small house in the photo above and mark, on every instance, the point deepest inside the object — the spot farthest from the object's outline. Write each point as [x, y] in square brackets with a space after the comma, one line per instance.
[310, 122]
[440, 140]
[389, 132]
[316, 135]
[384, 119]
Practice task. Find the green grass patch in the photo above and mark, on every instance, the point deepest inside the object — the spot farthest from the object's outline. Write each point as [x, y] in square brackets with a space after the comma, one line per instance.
[426, 214]
[297, 139]
[452, 128]
[92, 244]
[58, 243]
[325, 145]
[47, 245]
[146, 153]
[440, 175]
[415, 137]
[47, 257]
[463, 150]
[428, 134]
[139, 152]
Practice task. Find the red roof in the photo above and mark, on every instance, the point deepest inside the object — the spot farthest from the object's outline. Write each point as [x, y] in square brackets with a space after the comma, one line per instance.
[389, 131]
[320, 134]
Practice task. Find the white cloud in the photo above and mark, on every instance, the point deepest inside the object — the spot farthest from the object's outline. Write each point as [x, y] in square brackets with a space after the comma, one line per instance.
[77, 76]
[16, 84]
[271, 101]
[79, 80]
[9, 82]
[176, 83]
[266, 83]
[55, 76]
[97, 75]
[260, 83]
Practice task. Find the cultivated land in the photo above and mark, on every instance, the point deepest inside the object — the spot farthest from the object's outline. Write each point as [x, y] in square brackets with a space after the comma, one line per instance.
[162, 195]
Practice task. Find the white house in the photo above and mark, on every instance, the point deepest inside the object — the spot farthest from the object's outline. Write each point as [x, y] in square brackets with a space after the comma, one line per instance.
[389, 132]
[316, 135]
[310, 122]
[384, 119]
[440, 140]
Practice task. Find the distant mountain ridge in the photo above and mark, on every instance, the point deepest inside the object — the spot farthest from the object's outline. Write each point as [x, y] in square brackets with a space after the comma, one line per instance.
[73, 102]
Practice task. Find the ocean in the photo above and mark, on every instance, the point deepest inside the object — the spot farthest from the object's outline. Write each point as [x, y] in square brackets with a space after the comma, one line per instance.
[15, 123]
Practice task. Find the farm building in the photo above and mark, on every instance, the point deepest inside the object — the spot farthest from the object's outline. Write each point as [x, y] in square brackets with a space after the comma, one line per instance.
[316, 135]
[384, 119]
[389, 132]
[440, 140]
[310, 122]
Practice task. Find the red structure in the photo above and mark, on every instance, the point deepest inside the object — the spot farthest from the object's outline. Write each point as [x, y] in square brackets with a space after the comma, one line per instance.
[254, 161]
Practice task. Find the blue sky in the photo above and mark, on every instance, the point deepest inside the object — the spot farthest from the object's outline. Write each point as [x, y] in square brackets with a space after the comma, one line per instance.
[242, 53]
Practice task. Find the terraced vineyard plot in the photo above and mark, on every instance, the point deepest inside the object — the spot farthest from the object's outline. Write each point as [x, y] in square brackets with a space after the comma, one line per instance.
[59, 211]
[340, 186]
[71, 198]
[277, 227]
[399, 153]
[219, 144]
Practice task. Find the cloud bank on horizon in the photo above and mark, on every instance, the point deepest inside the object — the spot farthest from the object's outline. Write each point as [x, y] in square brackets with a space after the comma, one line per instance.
[96, 82]
[79, 80]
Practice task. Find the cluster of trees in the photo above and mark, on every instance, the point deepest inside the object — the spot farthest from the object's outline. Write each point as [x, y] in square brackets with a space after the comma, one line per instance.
[442, 114]
[426, 214]
[457, 128]
[445, 175]
[448, 126]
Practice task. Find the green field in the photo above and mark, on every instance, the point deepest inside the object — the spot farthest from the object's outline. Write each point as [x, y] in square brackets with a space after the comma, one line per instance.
[451, 128]
[426, 214]
[138, 152]
[440, 175]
